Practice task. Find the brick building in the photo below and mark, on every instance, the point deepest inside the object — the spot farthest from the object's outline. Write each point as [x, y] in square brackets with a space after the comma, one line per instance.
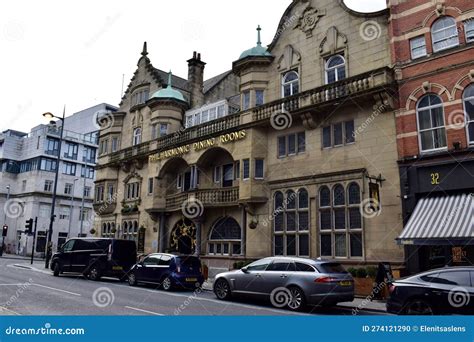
[432, 46]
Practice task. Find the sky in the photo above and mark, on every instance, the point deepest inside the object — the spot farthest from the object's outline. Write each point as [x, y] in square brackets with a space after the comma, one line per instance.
[55, 53]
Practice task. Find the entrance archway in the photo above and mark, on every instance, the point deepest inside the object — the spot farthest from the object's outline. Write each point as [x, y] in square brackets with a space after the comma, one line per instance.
[183, 237]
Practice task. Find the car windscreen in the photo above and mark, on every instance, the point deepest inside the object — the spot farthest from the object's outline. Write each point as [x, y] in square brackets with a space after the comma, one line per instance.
[331, 267]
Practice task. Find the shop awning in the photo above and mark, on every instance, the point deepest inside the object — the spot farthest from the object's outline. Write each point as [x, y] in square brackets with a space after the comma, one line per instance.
[441, 220]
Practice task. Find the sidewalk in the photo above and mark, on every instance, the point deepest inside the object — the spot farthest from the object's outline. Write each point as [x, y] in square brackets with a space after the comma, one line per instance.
[358, 304]
[19, 257]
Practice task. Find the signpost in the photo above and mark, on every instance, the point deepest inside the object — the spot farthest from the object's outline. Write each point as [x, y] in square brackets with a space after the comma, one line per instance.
[34, 240]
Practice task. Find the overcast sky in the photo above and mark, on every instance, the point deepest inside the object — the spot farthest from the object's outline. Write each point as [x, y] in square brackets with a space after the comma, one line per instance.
[75, 52]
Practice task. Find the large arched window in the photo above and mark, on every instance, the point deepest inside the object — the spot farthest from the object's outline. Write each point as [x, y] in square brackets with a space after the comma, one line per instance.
[468, 99]
[291, 223]
[335, 69]
[290, 84]
[444, 34]
[340, 221]
[137, 136]
[225, 237]
[431, 128]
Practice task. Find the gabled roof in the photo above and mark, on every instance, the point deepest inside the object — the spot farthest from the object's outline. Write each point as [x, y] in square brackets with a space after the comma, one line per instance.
[178, 82]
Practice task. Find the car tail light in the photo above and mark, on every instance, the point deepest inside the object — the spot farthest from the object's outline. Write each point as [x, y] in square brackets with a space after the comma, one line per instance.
[325, 280]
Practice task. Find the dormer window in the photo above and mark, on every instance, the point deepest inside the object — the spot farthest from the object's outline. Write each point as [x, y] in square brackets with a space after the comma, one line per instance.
[335, 69]
[140, 96]
[137, 136]
[444, 34]
[290, 84]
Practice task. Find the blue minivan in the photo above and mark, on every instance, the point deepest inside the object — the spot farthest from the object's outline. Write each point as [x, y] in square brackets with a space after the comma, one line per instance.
[167, 271]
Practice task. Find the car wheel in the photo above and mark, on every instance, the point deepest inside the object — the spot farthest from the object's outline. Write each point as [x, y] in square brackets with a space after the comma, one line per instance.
[132, 279]
[222, 289]
[94, 273]
[418, 307]
[297, 300]
[166, 284]
[56, 270]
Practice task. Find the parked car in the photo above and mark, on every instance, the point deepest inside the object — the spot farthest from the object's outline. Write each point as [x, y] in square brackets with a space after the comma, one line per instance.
[290, 282]
[448, 290]
[95, 257]
[168, 271]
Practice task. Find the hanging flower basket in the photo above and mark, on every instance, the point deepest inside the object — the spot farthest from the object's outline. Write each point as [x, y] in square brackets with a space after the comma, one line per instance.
[92, 231]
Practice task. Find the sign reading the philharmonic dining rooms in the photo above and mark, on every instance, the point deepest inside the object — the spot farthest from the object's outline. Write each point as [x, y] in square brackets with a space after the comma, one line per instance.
[198, 146]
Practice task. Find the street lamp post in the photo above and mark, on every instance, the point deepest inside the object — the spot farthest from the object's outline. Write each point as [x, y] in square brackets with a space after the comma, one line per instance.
[5, 220]
[49, 246]
[71, 207]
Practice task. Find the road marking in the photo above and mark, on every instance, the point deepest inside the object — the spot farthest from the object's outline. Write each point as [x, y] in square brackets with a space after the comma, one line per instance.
[55, 289]
[144, 311]
[2, 308]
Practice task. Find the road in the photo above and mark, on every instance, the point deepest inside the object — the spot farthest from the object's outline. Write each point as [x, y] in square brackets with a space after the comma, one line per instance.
[25, 291]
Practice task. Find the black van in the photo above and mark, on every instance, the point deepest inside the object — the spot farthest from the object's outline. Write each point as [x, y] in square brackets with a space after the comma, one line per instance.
[95, 257]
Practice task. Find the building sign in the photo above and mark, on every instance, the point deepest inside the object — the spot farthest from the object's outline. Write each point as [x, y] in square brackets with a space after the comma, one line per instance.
[198, 146]
[374, 194]
[459, 254]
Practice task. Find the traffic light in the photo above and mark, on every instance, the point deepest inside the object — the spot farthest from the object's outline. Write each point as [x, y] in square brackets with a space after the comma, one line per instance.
[5, 230]
[29, 226]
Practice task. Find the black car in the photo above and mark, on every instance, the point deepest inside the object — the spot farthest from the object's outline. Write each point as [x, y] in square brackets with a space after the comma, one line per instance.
[168, 271]
[95, 257]
[447, 290]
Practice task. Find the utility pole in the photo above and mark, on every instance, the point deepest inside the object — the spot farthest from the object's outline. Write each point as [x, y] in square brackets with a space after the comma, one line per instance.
[83, 191]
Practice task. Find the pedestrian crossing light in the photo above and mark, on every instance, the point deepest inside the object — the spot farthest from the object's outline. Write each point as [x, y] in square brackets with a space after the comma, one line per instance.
[5, 230]
[29, 226]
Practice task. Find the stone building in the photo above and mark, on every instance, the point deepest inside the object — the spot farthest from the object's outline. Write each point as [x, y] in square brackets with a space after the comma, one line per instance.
[432, 48]
[292, 152]
[27, 168]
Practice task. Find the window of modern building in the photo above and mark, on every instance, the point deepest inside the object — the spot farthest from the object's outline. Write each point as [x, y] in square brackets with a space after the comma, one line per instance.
[418, 47]
[338, 134]
[71, 151]
[290, 84]
[48, 164]
[340, 221]
[469, 29]
[84, 214]
[335, 69]
[444, 34]
[245, 100]
[52, 146]
[259, 97]
[48, 185]
[245, 169]
[468, 98]
[44, 210]
[89, 155]
[431, 127]
[291, 223]
[68, 189]
[225, 237]
[87, 171]
[87, 192]
[64, 213]
[291, 144]
[137, 136]
[259, 169]
[150, 186]
[69, 169]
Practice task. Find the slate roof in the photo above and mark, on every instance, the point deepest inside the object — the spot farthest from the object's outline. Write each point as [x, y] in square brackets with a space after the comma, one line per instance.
[210, 83]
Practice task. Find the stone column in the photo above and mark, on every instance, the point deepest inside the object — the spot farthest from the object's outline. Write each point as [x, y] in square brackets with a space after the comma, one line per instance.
[198, 237]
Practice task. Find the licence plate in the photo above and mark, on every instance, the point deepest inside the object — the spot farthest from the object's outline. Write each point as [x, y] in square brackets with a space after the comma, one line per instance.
[117, 268]
[345, 283]
[191, 279]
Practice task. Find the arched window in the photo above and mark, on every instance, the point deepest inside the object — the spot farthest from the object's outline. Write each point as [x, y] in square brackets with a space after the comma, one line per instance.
[324, 197]
[353, 192]
[104, 229]
[225, 237]
[137, 136]
[125, 230]
[290, 84]
[335, 69]
[338, 195]
[291, 223]
[468, 98]
[431, 128]
[444, 34]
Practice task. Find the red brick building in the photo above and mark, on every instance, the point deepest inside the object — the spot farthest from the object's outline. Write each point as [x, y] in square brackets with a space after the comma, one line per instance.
[432, 47]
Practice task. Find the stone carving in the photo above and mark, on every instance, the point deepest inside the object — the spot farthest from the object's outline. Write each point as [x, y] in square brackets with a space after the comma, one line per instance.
[333, 41]
[309, 19]
[289, 58]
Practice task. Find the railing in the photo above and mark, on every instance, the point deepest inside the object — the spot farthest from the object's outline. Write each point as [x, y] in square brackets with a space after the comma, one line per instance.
[208, 197]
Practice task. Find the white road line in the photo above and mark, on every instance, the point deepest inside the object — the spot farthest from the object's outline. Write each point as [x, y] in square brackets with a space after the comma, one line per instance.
[59, 290]
[2, 308]
[144, 311]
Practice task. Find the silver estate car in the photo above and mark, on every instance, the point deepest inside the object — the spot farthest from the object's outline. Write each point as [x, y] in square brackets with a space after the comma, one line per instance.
[289, 282]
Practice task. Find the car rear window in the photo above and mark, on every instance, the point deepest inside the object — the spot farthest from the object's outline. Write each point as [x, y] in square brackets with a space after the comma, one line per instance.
[331, 267]
[188, 261]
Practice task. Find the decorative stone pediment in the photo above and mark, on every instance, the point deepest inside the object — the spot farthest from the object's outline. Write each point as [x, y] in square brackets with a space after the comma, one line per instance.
[132, 175]
[332, 42]
[289, 58]
[309, 19]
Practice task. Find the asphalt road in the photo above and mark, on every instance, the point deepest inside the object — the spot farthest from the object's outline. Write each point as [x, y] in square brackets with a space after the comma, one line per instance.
[24, 291]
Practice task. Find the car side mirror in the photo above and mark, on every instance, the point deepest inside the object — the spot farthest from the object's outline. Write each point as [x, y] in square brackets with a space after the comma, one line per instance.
[244, 269]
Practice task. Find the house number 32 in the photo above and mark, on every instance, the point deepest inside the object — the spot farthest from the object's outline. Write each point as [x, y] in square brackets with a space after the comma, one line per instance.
[435, 178]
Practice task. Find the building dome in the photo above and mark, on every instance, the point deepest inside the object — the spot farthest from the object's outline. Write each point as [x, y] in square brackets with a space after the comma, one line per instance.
[168, 92]
[258, 50]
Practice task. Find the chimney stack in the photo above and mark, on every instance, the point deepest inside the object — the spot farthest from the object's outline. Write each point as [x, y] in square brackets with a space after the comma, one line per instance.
[196, 79]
